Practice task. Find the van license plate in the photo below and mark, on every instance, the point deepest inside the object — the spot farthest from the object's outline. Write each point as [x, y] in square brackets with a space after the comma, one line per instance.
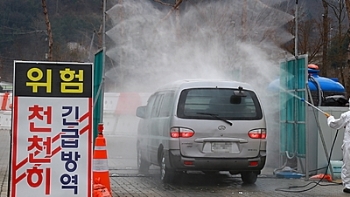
[226, 147]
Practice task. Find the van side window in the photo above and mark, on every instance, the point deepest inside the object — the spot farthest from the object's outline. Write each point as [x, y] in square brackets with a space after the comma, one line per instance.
[150, 103]
[156, 105]
[166, 105]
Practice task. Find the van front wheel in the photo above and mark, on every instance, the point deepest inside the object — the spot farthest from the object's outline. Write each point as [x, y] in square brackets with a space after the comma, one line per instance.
[166, 174]
[142, 164]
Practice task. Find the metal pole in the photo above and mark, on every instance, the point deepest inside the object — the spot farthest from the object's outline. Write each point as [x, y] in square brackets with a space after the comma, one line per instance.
[296, 124]
[103, 59]
[296, 29]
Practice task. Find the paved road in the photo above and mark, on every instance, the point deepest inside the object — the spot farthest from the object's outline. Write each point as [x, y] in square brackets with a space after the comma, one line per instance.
[221, 185]
[126, 182]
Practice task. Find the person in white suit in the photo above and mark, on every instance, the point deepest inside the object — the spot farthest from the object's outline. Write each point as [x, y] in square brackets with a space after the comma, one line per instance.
[343, 121]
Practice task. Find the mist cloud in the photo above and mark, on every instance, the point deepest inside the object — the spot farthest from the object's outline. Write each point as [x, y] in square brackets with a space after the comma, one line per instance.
[205, 40]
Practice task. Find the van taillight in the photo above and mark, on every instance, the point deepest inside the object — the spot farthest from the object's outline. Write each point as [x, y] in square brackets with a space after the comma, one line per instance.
[257, 134]
[181, 132]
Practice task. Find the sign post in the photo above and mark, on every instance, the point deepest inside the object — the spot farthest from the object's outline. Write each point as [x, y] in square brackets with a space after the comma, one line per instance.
[51, 152]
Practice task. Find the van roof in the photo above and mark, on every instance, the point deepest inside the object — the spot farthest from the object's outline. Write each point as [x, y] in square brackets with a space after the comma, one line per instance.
[192, 83]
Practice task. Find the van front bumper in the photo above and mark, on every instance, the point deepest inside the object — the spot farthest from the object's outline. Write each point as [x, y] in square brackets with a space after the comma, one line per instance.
[179, 163]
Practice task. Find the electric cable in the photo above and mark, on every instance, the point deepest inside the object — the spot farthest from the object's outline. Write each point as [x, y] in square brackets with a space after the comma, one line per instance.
[316, 182]
[318, 122]
[280, 168]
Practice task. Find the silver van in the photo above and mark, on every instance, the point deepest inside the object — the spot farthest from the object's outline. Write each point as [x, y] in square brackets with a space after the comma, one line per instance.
[201, 125]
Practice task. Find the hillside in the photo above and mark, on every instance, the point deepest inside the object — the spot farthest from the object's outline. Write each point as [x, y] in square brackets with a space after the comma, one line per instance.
[76, 26]
[23, 30]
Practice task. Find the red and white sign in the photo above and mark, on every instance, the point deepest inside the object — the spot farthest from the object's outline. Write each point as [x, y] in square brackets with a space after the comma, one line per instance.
[52, 130]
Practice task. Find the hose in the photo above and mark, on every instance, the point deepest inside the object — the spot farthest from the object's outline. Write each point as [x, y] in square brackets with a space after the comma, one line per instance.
[319, 90]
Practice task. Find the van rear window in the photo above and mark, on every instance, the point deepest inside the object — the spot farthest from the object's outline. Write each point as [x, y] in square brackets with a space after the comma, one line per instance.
[231, 104]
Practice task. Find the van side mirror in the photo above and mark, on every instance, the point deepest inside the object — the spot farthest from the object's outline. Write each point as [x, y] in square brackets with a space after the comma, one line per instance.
[141, 112]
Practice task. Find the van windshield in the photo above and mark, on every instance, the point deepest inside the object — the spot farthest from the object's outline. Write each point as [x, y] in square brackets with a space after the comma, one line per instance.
[197, 103]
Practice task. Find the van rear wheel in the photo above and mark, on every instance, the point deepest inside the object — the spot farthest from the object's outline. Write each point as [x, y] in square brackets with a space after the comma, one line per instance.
[166, 174]
[142, 164]
[249, 177]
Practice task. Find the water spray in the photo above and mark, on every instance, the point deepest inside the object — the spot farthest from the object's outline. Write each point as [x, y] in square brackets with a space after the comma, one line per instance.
[303, 100]
[313, 106]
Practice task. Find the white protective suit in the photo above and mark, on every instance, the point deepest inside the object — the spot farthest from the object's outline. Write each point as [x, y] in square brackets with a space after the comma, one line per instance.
[343, 121]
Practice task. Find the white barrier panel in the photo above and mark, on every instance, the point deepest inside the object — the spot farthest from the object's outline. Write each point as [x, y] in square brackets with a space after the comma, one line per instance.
[1, 118]
[5, 101]
[119, 114]
[110, 121]
[110, 102]
[5, 120]
[126, 126]
[5, 110]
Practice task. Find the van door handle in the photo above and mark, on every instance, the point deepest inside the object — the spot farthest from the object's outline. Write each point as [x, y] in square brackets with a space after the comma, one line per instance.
[201, 140]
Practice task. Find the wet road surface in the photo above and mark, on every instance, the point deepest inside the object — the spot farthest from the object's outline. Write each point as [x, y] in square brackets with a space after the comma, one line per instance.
[127, 182]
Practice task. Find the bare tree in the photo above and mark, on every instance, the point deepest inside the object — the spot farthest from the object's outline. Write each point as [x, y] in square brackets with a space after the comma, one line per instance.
[347, 5]
[49, 31]
[325, 25]
[309, 36]
[175, 6]
[338, 51]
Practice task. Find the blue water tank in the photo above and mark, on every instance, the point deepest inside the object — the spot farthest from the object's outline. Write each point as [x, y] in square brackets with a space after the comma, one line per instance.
[331, 88]
[326, 84]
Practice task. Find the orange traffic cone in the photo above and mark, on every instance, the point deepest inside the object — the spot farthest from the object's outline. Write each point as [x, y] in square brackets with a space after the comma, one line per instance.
[100, 164]
[101, 191]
